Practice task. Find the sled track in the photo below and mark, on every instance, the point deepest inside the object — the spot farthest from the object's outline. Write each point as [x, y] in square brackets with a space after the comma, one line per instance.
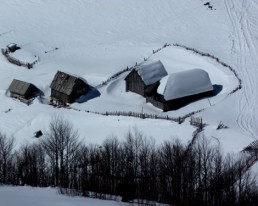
[239, 14]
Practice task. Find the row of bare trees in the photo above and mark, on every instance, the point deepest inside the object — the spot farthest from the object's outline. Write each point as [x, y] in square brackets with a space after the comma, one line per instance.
[135, 169]
[6, 158]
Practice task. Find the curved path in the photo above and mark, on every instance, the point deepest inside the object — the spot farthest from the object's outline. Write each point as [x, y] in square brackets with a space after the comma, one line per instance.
[242, 17]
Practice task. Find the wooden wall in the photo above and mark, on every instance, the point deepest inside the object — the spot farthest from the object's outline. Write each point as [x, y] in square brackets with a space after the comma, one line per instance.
[134, 83]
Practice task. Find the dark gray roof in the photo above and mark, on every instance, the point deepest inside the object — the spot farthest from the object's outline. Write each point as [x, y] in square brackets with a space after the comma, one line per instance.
[64, 82]
[19, 87]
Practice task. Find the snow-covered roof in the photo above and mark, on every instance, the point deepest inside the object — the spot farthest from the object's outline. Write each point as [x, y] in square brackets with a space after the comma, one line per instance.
[11, 45]
[24, 56]
[186, 83]
[152, 73]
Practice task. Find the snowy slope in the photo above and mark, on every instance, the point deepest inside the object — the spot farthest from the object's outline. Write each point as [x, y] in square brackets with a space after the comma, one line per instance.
[29, 196]
[95, 39]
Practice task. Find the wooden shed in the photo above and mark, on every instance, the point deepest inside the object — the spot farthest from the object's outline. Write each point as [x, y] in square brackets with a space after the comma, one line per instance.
[145, 79]
[66, 88]
[180, 89]
[23, 90]
[12, 47]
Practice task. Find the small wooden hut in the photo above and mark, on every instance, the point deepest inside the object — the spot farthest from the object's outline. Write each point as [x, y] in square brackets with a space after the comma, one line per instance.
[23, 90]
[66, 88]
[12, 47]
[145, 79]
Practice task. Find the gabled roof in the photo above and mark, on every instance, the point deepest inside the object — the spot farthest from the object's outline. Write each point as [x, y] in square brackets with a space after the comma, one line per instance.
[152, 73]
[19, 87]
[184, 84]
[65, 83]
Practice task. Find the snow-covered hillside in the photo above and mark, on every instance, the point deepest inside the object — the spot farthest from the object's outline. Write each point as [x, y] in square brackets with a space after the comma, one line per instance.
[14, 196]
[95, 39]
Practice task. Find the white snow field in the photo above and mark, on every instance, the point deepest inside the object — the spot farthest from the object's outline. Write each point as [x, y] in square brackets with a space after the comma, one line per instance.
[30, 196]
[94, 39]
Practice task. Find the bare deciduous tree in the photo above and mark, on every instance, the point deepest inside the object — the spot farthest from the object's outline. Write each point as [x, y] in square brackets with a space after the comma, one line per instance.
[61, 146]
[6, 155]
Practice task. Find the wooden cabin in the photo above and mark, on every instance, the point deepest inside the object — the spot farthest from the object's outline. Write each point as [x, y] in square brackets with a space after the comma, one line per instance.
[12, 47]
[66, 88]
[180, 89]
[23, 90]
[145, 79]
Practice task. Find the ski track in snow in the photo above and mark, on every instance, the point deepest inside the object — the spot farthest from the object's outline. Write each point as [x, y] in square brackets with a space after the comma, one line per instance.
[239, 14]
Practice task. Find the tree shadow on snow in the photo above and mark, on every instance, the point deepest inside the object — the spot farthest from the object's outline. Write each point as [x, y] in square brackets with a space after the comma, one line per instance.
[93, 93]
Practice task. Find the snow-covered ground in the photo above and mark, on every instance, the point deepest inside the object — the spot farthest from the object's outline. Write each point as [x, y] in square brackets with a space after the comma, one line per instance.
[29, 196]
[96, 38]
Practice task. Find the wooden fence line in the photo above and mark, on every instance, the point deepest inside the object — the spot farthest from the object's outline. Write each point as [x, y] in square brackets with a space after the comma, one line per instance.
[218, 61]
[134, 114]
[180, 119]
[16, 61]
[187, 48]
[153, 116]
[113, 77]
[190, 145]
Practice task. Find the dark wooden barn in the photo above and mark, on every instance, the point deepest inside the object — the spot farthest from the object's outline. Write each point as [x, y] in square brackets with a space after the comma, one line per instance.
[66, 88]
[23, 90]
[159, 101]
[180, 89]
[145, 79]
[12, 47]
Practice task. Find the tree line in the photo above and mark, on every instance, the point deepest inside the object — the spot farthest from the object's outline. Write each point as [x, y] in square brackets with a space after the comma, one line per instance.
[134, 169]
